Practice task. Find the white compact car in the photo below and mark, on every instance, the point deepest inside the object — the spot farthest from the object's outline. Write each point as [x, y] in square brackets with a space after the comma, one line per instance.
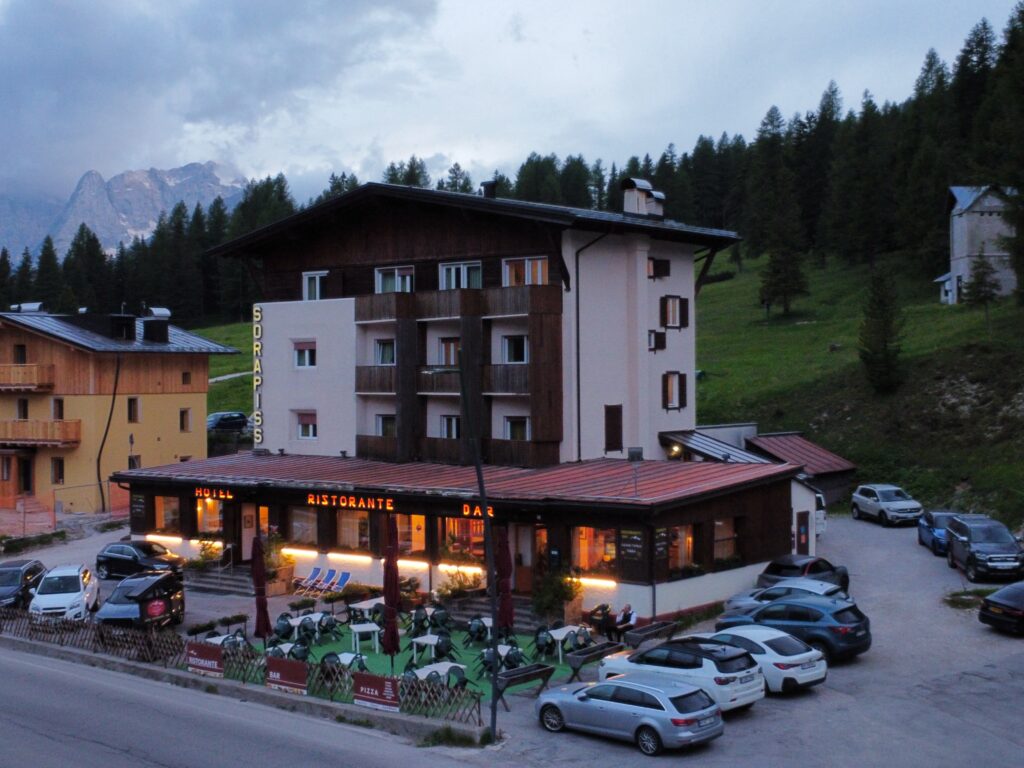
[729, 675]
[788, 663]
[65, 592]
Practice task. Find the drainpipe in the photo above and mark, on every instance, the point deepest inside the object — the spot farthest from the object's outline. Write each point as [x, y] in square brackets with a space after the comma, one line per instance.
[106, 431]
[579, 420]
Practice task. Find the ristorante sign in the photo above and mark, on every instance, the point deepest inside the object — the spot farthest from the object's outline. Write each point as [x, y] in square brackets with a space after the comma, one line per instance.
[381, 503]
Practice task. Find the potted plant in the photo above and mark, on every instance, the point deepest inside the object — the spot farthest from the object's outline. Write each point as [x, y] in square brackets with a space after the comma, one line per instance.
[558, 595]
[280, 567]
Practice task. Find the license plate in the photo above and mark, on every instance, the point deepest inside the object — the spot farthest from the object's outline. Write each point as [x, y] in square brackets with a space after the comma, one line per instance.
[996, 609]
[746, 678]
[706, 721]
[808, 665]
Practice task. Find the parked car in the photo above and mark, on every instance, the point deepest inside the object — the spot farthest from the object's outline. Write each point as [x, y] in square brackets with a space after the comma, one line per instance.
[931, 530]
[837, 628]
[807, 566]
[888, 504]
[123, 558]
[650, 710]
[144, 600]
[728, 674]
[796, 587]
[227, 421]
[65, 592]
[983, 547]
[788, 663]
[17, 580]
[1004, 609]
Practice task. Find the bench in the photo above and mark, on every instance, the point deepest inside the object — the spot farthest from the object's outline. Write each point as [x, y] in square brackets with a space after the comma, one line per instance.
[576, 659]
[648, 632]
[520, 675]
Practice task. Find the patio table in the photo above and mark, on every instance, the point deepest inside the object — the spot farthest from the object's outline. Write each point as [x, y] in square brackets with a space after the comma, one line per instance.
[295, 621]
[368, 628]
[560, 634]
[423, 641]
[441, 667]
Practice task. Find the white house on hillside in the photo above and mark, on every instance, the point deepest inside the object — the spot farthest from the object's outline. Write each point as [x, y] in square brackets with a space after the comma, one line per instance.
[976, 226]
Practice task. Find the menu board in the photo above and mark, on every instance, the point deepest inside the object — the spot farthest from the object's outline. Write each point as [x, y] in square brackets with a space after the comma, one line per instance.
[633, 565]
[137, 512]
[661, 542]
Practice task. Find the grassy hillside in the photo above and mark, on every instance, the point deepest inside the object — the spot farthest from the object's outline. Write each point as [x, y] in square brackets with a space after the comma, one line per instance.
[237, 335]
[953, 434]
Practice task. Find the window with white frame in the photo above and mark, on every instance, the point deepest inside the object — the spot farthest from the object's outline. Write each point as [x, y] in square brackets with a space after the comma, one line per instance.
[517, 428]
[451, 427]
[305, 354]
[394, 280]
[307, 425]
[387, 425]
[514, 349]
[526, 271]
[312, 285]
[460, 274]
[448, 350]
[384, 352]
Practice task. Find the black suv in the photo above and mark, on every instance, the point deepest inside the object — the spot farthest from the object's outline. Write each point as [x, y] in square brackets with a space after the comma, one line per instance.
[227, 421]
[983, 547]
[123, 558]
[145, 600]
[17, 577]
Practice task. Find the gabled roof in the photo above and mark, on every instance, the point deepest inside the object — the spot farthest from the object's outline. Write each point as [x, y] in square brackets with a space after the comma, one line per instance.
[558, 215]
[796, 449]
[964, 197]
[60, 328]
[613, 482]
[711, 448]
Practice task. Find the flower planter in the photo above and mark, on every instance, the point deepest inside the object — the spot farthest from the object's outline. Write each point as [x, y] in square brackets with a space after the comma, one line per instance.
[278, 587]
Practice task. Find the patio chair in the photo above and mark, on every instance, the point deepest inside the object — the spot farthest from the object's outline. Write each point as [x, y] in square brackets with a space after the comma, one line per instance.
[329, 627]
[485, 661]
[358, 663]
[584, 638]
[283, 627]
[444, 648]
[457, 679]
[326, 584]
[543, 643]
[434, 677]
[514, 658]
[476, 631]
[307, 631]
[275, 651]
[557, 624]
[212, 633]
[302, 583]
[331, 659]
[419, 623]
[440, 619]
[377, 614]
[299, 651]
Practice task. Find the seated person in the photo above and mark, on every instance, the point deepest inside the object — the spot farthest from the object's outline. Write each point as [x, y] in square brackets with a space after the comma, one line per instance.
[624, 621]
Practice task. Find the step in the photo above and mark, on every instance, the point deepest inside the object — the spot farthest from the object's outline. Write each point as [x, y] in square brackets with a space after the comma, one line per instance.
[237, 582]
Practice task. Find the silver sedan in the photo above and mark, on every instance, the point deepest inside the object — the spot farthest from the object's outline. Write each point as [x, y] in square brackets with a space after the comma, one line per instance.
[649, 710]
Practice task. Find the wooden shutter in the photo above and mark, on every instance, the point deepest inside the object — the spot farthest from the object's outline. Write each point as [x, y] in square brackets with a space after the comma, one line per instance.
[663, 311]
[684, 313]
[612, 428]
[664, 390]
[682, 390]
[657, 340]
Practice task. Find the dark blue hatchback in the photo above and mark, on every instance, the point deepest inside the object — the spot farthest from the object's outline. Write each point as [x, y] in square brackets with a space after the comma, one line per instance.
[931, 531]
[837, 628]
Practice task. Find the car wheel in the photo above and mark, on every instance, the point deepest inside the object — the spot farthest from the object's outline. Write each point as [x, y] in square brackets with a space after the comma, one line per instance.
[920, 537]
[823, 649]
[855, 511]
[102, 571]
[883, 519]
[949, 558]
[971, 571]
[648, 740]
[551, 718]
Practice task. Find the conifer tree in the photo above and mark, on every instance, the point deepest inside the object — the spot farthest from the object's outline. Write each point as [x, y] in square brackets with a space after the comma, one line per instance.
[982, 287]
[538, 180]
[24, 278]
[881, 333]
[49, 283]
[5, 279]
[574, 183]
[457, 180]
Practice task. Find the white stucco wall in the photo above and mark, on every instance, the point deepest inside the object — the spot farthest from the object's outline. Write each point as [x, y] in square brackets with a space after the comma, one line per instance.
[328, 389]
[438, 405]
[980, 230]
[369, 407]
[507, 406]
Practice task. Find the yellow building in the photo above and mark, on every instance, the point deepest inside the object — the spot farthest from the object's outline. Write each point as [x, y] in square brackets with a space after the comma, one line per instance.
[83, 396]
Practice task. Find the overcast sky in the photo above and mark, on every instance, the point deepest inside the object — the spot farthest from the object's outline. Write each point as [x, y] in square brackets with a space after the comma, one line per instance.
[308, 88]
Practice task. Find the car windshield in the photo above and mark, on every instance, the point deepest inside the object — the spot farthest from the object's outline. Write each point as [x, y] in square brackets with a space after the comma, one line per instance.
[151, 549]
[691, 702]
[851, 615]
[121, 595]
[736, 663]
[991, 534]
[10, 578]
[784, 569]
[895, 494]
[787, 646]
[941, 521]
[58, 585]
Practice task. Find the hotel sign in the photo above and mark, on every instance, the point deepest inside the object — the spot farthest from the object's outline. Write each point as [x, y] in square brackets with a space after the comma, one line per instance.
[214, 493]
[381, 503]
[257, 374]
[204, 659]
[375, 691]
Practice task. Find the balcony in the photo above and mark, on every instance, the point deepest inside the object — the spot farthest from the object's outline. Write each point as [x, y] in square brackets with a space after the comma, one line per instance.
[39, 432]
[440, 449]
[381, 307]
[490, 302]
[26, 378]
[522, 300]
[507, 379]
[442, 304]
[437, 379]
[375, 379]
[520, 453]
[377, 447]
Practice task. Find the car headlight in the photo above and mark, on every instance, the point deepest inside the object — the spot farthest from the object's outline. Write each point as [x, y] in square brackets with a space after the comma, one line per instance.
[981, 556]
[35, 608]
[75, 605]
[161, 567]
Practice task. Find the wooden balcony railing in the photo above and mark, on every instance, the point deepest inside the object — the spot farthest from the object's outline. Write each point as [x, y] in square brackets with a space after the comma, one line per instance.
[377, 447]
[440, 449]
[437, 379]
[520, 453]
[448, 303]
[40, 432]
[375, 378]
[384, 306]
[491, 302]
[26, 378]
[514, 379]
[522, 300]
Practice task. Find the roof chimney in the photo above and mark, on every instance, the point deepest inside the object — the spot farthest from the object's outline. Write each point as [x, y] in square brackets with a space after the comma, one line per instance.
[640, 199]
[490, 188]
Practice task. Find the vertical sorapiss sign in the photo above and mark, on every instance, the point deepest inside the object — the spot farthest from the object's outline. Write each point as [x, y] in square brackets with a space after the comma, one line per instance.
[375, 691]
[288, 675]
[205, 659]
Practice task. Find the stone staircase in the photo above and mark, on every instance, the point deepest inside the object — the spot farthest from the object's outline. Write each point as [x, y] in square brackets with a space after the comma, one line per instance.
[526, 621]
[236, 581]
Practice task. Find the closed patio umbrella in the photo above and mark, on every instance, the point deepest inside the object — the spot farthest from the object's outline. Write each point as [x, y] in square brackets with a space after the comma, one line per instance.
[259, 586]
[503, 566]
[392, 595]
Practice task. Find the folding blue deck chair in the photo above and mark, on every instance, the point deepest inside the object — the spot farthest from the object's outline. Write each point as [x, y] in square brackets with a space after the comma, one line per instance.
[326, 584]
[303, 583]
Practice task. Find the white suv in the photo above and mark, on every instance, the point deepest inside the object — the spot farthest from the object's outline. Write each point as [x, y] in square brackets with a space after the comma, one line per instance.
[65, 592]
[888, 504]
[729, 675]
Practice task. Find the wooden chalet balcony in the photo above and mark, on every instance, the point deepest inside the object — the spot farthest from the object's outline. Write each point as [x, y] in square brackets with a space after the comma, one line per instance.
[377, 307]
[490, 302]
[522, 300]
[375, 378]
[440, 379]
[513, 379]
[377, 447]
[454, 303]
[26, 378]
[40, 432]
[440, 449]
[520, 453]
